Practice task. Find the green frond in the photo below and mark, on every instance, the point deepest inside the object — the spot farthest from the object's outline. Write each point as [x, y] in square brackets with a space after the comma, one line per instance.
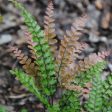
[70, 102]
[100, 95]
[29, 83]
[107, 94]
[109, 109]
[107, 105]
[54, 108]
[45, 59]
[87, 76]
[94, 103]
[107, 87]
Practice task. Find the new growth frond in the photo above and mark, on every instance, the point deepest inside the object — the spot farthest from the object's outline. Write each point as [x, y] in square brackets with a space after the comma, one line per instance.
[49, 27]
[69, 51]
[90, 61]
[28, 64]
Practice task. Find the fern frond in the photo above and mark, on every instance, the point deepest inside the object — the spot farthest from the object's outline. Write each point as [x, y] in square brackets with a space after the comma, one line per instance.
[30, 43]
[69, 45]
[90, 61]
[29, 67]
[49, 27]
[94, 103]
[107, 105]
[73, 87]
[75, 77]
[29, 83]
[87, 76]
[104, 54]
[99, 98]
[107, 109]
[70, 102]
[69, 50]
[45, 59]
[107, 87]
[67, 71]
[83, 79]
[77, 28]
[80, 23]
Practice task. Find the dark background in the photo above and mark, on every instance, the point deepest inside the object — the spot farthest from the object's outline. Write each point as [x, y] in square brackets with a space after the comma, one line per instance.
[98, 35]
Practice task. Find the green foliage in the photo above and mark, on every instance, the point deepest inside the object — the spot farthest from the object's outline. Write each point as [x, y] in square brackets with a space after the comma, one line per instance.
[100, 92]
[54, 108]
[70, 102]
[94, 103]
[88, 75]
[107, 87]
[107, 94]
[100, 95]
[45, 60]
[29, 83]
[109, 109]
[107, 106]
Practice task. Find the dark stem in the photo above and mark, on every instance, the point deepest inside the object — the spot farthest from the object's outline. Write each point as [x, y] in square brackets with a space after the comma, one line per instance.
[44, 108]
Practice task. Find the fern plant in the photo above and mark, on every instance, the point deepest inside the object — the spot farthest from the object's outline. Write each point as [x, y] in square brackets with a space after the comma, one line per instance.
[49, 67]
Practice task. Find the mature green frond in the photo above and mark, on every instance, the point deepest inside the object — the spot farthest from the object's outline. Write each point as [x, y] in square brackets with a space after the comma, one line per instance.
[87, 76]
[107, 87]
[107, 105]
[45, 59]
[29, 83]
[70, 102]
[94, 103]
[108, 109]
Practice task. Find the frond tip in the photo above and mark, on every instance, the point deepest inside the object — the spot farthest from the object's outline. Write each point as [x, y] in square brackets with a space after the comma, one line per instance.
[49, 27]
[91, 60]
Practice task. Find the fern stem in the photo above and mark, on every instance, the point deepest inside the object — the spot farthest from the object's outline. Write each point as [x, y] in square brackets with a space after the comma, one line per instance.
[61, 63]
